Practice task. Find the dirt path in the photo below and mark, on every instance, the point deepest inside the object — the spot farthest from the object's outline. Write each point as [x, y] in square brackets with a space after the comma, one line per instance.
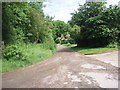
[66, 69]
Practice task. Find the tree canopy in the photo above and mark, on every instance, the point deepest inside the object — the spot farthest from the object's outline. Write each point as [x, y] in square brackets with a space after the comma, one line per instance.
[24, 23]
[99, 24]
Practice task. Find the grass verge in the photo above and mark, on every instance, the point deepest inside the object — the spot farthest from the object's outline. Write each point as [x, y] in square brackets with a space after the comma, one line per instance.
[69, 45]
[34, 53]
[89, 50]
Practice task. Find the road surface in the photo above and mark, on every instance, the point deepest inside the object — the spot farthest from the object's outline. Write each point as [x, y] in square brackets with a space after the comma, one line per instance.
[65, 69]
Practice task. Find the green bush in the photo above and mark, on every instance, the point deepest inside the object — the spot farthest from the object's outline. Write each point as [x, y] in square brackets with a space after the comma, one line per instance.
[14, 52]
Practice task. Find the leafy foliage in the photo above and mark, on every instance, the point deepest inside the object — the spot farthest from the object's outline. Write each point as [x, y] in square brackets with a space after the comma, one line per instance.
[34, 53]
[74, 33]
[14, 52]
[96, 22]
[16, 22]
[24, 24]
[64, 33]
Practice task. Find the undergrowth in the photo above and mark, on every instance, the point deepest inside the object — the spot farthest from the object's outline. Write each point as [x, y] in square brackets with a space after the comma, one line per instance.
[24, 55]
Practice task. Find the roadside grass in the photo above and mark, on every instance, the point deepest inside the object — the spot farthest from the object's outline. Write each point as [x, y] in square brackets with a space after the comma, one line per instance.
[90, 50]
[34, 53]
[69, 45]
[0, 65]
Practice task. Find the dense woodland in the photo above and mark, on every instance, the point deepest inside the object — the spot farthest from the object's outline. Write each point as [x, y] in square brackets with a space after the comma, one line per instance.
[29, 36]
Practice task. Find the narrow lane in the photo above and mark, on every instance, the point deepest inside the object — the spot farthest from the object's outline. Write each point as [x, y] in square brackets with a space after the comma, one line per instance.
[66, 69]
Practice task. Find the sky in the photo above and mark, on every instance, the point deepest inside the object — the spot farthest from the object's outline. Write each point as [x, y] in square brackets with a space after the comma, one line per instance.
[61, 9]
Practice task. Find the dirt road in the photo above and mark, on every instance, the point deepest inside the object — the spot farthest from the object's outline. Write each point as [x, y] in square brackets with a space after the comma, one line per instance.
[66, 69]
[108, 57]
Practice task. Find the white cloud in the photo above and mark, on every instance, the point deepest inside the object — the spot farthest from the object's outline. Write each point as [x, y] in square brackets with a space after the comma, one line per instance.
[61, 9]
[113, 2]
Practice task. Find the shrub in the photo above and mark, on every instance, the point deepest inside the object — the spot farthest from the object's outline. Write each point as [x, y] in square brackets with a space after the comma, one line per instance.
[14, 52]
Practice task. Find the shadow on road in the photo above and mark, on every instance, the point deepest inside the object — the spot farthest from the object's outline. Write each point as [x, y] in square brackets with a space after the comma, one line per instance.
[64, 50]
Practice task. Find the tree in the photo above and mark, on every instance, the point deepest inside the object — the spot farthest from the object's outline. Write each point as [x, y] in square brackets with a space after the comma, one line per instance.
[16, 21]
[111, 17]
[25, 22]
[74, 34]
[60, 29]
[95, 30]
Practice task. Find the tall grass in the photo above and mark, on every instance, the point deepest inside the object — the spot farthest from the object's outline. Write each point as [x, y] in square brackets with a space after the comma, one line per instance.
[33, 52]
